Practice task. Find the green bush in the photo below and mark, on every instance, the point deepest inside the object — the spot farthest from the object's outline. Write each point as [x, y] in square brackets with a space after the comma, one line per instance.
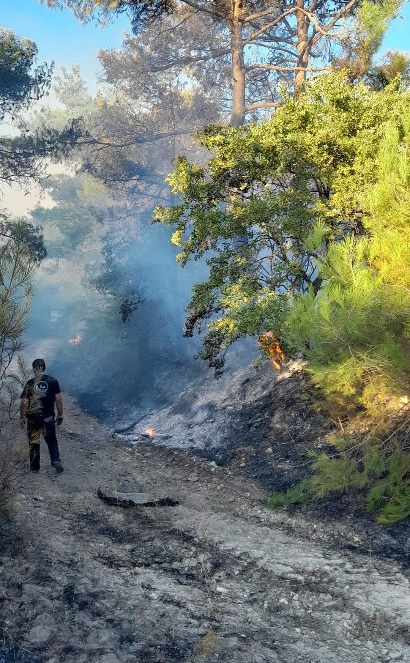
[381, 473]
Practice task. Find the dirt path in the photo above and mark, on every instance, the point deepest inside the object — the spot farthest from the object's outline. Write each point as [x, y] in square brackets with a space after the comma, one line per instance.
[216, 578]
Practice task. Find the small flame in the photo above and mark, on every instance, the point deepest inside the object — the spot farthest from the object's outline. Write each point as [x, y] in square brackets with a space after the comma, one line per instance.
[75, 340]
[271, 345]
[150, 431]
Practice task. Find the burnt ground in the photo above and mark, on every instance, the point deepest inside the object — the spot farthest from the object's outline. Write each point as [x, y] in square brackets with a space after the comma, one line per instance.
[270, 446]
[262, 427]
[216, 578]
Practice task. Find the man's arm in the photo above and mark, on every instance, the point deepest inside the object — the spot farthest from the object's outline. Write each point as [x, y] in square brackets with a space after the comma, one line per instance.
[59, 406]
[23, 410]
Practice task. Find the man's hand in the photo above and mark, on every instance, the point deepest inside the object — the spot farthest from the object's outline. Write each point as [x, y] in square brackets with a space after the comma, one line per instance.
[59, 421]
[23, 422]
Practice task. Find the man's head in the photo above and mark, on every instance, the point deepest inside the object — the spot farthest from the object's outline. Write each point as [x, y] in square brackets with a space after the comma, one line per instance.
[39, 366]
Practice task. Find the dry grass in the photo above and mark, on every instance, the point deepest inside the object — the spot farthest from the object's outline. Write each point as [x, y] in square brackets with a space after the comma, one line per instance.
[13, 458]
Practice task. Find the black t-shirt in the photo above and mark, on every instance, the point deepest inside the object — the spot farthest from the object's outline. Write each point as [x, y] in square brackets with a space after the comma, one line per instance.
[41, 394]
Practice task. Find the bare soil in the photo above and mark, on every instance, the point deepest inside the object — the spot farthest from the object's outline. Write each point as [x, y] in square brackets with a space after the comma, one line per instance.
[217, 577]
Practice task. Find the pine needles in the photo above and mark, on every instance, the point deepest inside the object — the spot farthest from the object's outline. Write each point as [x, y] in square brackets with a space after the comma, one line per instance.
[377, 468]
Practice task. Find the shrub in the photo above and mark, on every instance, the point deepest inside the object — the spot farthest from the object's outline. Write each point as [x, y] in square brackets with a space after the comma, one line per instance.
[379, 468]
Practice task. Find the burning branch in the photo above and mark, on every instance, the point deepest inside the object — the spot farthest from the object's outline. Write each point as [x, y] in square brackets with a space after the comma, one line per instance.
[270, 345]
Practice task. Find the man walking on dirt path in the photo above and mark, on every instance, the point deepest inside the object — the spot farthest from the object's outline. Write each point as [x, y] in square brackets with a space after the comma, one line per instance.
[39, 398]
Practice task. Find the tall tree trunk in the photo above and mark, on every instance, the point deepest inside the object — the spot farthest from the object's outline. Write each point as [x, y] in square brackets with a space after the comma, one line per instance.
[238, 66]
[302, 22]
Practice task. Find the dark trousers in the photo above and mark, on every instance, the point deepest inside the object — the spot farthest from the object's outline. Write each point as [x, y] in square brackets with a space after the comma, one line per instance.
[37, 427]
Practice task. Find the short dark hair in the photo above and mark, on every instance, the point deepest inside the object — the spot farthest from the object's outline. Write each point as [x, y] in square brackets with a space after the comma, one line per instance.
[39, 365]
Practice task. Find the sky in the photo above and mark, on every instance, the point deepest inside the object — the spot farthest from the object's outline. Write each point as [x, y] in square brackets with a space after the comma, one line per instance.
[62, 38]
[398, 36]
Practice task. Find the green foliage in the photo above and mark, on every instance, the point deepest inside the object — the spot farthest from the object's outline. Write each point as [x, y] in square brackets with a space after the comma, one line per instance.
[374, 19]
[390, 494]
[24, 152]
[21, 243]
[380, 473]
[356, 328]
[21, 250]
[24, 235]
[334, 474]
[356, 333]
[300, 494]
[20, 84]
[24, 157]
[361, 44]
[282, 215]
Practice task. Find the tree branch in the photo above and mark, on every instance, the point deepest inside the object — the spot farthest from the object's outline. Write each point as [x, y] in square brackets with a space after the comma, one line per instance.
[262, 104]
[274, 67]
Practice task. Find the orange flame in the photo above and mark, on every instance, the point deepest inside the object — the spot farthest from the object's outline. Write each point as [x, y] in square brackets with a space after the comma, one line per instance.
[270, 344]
[150, 431]
[75, 340]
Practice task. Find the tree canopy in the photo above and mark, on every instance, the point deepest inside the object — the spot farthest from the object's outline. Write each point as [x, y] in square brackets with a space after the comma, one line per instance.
[20, 83]
[294, 188]
[140, 11]
[23, 153]
[260, 43]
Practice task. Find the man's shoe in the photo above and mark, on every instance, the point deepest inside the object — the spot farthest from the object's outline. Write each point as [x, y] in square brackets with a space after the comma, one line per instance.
[35, 471]
[58, 467]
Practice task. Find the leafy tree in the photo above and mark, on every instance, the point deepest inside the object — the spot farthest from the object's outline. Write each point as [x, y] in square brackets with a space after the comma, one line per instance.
[357, 335]
[288, 186]
[21, 245]
[20, 84]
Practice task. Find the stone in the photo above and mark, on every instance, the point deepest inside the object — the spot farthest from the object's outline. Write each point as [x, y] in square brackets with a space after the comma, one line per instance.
[39, 635]
[115, 498]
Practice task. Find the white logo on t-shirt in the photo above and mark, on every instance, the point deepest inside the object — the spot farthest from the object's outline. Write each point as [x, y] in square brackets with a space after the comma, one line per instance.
[41, 388]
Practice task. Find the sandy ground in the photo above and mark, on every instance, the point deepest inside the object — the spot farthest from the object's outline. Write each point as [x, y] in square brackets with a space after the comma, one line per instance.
[216, 578]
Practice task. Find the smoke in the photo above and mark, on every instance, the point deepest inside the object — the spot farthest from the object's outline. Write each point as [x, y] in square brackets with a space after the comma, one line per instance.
[117, 358]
